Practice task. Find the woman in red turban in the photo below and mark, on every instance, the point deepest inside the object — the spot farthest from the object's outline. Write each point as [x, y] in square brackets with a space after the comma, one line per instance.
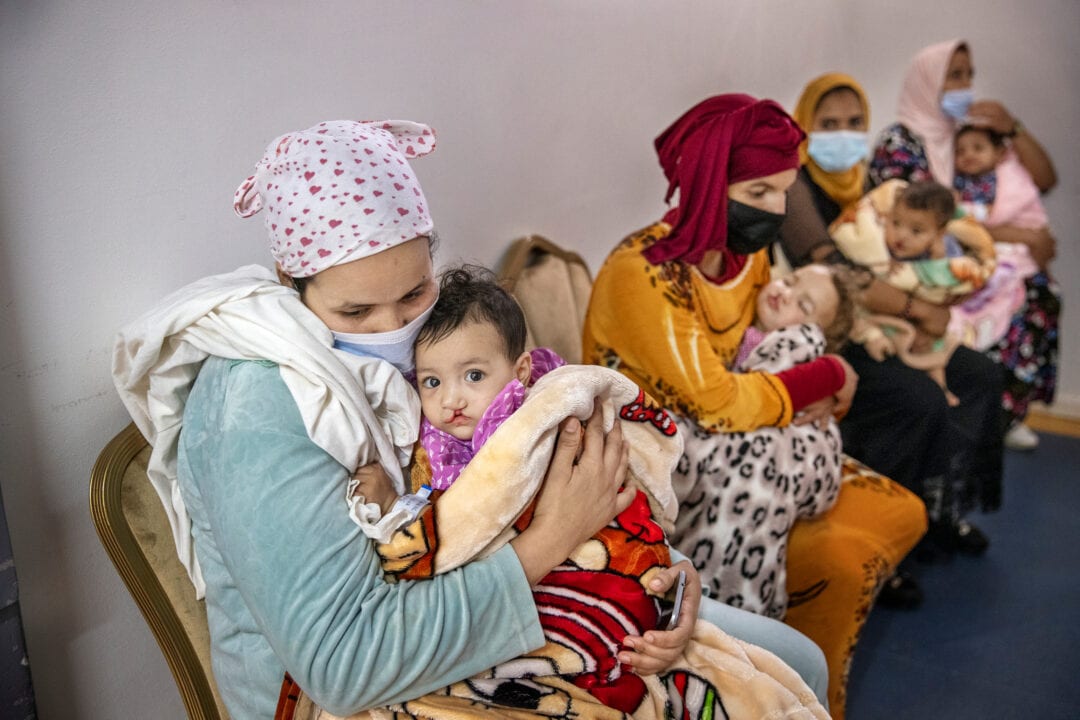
[669, 309]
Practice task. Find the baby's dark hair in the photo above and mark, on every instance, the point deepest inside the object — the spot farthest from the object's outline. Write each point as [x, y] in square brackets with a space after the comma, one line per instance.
[930, 196]
[846, 282]
[996, 138]
[471, 293]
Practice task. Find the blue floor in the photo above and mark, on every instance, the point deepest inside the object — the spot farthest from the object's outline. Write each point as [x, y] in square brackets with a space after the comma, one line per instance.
[997, 636]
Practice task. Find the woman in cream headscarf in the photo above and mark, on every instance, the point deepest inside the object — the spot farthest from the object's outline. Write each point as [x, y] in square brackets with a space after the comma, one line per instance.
[935, 100]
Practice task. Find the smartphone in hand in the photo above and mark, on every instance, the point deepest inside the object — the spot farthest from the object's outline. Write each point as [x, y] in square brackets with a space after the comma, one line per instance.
[670, 610]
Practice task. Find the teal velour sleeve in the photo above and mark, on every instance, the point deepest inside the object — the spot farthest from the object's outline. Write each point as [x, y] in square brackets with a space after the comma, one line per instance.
[292, 582]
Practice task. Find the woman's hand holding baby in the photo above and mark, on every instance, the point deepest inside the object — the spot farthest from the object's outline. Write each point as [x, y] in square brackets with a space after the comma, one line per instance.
[1039, 241]
[580, 494]
[991, 114]
[1042, 246]
[846, 394]
[928, 318]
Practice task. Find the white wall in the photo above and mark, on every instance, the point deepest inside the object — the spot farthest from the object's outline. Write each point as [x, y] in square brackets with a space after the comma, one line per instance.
[123, 133]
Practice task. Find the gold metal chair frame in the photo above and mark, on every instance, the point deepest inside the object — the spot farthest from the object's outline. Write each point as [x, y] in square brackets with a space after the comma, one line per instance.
[114, 527]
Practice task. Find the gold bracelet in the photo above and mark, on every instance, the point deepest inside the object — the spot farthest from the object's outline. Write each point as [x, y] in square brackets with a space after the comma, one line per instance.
[1017, 128]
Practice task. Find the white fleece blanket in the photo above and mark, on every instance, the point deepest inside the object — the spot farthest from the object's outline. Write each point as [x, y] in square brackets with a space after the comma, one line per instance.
[356, 409]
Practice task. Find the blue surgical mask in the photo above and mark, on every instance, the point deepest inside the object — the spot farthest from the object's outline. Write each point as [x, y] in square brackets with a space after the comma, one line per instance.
[955, 103]
[395, 347]
[839, 150]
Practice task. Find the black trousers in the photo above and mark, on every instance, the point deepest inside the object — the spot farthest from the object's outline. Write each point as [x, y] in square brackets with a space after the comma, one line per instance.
[900, 425]
[977, 426]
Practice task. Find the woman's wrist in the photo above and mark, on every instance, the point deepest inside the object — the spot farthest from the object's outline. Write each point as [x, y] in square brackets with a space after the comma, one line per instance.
[387, 503]
[929, 318]
[908, 311]
[539, 552]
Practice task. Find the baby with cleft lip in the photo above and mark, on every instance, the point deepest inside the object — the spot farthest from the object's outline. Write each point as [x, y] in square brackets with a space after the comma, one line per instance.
[602, 605]
[465, 370]
[472, 374]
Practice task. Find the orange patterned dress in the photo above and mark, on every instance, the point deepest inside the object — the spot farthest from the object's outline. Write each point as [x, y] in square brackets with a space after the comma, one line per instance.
[676, 333]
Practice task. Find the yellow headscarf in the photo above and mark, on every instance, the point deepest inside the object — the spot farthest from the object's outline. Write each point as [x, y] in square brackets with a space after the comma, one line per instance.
[847, 186]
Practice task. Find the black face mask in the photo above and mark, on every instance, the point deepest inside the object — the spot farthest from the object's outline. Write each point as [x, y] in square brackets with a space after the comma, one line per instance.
[750, 229]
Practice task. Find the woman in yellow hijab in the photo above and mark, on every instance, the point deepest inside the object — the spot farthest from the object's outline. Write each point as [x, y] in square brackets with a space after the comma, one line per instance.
[835, 114]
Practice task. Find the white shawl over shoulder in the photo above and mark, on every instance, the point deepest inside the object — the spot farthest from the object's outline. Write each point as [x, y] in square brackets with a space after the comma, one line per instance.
[356, 409]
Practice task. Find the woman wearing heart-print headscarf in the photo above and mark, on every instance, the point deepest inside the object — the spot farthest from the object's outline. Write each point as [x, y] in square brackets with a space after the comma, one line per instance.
[262, 393]
[669, 309]
[936, 100]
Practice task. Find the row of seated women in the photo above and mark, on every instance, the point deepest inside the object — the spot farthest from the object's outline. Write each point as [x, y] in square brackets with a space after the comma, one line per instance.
[246, 386]
[950, 456]
[693, 306]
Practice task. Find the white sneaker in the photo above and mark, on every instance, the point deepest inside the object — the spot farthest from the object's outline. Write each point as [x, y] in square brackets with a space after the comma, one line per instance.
[1021, 437]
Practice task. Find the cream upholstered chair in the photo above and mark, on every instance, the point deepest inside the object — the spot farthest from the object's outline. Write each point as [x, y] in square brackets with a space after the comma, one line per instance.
[552, 286]
[132, 525]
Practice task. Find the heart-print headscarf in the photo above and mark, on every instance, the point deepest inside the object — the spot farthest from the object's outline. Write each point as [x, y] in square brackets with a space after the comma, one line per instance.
[338, 192]
[721, 140]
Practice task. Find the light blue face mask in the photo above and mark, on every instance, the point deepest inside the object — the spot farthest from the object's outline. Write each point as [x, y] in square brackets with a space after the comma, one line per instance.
[955, 103]
[395, 347]
[839, 150]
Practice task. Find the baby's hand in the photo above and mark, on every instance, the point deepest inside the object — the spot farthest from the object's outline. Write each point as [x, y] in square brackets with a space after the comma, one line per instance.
[375, 486]
[966, 269]
[879, 346]
[657, 650]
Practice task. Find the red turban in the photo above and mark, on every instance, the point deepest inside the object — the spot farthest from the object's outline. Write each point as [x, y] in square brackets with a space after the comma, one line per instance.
[721, 140]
